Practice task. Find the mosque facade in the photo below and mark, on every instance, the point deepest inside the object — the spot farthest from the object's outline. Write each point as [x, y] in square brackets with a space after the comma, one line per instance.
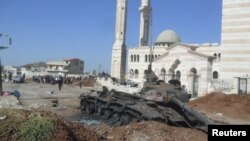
[201, 68]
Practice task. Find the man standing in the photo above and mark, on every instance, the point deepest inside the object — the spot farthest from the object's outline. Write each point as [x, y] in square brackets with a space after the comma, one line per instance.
[60, 82]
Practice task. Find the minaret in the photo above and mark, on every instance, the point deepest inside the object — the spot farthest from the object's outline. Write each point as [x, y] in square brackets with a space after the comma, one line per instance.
[235, 39]
[145, 10]
[118, 64]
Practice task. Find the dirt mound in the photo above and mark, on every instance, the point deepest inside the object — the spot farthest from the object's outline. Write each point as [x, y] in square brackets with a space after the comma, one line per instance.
[30, 125]
[235, 106]
[89, 82]
[150, 131]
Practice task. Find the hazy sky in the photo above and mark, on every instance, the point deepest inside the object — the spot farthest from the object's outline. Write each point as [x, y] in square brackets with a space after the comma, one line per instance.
[44, 30]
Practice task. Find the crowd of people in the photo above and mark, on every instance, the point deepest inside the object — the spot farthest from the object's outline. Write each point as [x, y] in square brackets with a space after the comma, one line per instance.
[60, 80]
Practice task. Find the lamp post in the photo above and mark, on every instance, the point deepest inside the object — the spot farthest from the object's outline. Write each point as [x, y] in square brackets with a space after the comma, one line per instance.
[5, 46]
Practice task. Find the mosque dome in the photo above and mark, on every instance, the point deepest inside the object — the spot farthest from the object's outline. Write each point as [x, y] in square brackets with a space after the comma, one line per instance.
[168, 37]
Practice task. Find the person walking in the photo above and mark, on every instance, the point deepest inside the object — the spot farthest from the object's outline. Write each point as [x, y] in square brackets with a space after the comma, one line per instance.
[60, 82]
[80, 84]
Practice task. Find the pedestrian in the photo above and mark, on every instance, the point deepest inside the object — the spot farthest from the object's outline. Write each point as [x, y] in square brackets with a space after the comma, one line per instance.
[10, 76]
[60, 82]
[80, 84]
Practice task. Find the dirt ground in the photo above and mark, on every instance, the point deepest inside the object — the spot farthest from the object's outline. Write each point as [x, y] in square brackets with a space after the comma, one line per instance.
[38, 97]
[229, 108]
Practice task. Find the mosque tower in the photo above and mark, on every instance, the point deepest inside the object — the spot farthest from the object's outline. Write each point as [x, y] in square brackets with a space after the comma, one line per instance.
[118, 64]
[235, 39]
[145, 10]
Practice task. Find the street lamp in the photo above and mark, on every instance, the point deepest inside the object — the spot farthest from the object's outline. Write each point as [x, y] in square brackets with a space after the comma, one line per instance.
[5, 46]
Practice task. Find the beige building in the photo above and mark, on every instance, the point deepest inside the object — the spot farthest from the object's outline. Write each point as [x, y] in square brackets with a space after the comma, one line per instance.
[66, 67]
[202, 68]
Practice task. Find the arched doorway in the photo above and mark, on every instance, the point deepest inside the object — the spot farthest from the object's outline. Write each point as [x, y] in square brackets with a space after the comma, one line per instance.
[178, 75]
[215, 75]
[194, 82]
[163, 74]
[131, 72]
[136, 73]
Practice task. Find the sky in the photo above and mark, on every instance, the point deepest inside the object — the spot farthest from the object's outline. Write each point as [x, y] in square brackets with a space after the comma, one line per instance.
[45, 30]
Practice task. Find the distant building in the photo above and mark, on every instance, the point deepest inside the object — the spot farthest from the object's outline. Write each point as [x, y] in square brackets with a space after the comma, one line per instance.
[75, 66]
[66, 67]
[9, 69]
[57, 68]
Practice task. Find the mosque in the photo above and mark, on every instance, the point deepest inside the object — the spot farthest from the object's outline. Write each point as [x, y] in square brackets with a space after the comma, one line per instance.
[201, 68]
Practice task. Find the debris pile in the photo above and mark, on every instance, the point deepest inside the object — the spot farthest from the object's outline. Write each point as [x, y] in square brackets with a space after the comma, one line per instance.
[89, 82]
[29, 125]
[150, 131]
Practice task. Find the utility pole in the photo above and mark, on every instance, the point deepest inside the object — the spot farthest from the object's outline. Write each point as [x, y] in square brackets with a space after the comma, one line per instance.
[4, 46]
[99, 68]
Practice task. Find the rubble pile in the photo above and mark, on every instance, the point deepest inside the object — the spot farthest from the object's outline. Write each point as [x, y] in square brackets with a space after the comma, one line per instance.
[150, 131]
[90, 82]
[234, 106]
[31, 125]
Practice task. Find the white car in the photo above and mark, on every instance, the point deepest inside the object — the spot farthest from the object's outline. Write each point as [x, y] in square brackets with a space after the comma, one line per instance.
[17, 79]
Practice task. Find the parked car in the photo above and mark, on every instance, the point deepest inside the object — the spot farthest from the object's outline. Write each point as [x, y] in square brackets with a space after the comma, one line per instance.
[18, 79]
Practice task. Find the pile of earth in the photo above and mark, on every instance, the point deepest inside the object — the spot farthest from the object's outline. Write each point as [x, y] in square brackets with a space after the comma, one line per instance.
[149, 131]
[25, 125]
[89, 82]
[233, 106]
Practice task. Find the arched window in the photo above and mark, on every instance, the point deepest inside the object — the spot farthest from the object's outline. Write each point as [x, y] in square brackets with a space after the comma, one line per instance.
[134, 58]
[131, 72]
[163, 73]
[136, 73]
[152, 57]
[215, 75]
[219, 55]
[131, 58]
[178, 75]
[138, 58]
[146, 58]
[215, 54]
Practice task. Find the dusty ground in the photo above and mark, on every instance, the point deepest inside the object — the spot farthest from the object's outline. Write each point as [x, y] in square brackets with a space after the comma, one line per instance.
[38, 97]
[233, 108]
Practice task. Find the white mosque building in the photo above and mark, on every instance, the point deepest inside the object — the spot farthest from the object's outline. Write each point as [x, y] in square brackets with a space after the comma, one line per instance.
[201, 68]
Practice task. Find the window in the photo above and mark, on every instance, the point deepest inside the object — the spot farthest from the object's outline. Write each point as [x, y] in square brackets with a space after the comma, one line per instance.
[131, 58]
[219, 56]
[138, 58]
[131, 72]
[134, 58]
[146, 58]
[215, 75]
[178, 75]
[215, 54]
[163, 74]
[136, 73]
